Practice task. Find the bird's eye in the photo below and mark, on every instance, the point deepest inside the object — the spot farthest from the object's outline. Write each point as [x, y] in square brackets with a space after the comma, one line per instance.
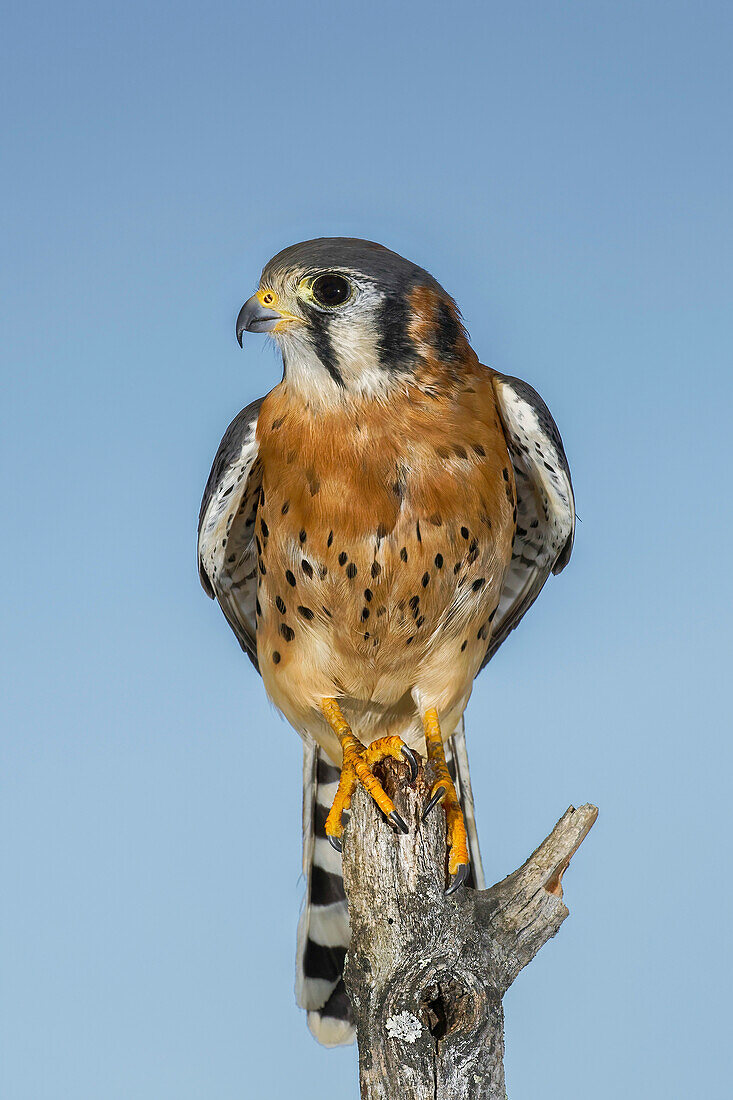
[331, 290]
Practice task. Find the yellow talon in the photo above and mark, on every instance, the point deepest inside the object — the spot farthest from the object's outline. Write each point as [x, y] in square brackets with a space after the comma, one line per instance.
[443, 790]
[358, 761]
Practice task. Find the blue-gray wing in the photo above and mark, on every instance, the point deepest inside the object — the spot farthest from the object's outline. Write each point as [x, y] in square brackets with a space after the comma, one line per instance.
[545, 502]
[226, 543]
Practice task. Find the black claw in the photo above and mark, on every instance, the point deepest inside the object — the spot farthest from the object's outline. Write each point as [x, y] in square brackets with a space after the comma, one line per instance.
[458, 879]
[433, 801]
[335, 842]
[410, 758]
[395, 818]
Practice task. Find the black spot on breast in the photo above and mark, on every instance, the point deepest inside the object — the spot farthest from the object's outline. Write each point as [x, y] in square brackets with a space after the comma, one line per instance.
[285, 507]
[259, 544]
[367, 594]
[262, 497]
[464, 645]
[343, 557]
[420, 621]
[417, 531]
[439, 561]
[410, 640]
[461, 451]
[425, 580]
[457, 566]
[289, 577]
[329, 540]
[327, 612]
[302, 536]
[505, 474]
[280, 605]
[415, 603]
[464, 532]
[275, 657]
[265, 529]
[479, 584]
[258, 609]
[286, 632]
[479, 449]
[376, 569]
[364, 614]
[491, 616]
[306, 567]
[277, 423]
[351, 570]
[403, 553]
[305, 612]
[261, 566]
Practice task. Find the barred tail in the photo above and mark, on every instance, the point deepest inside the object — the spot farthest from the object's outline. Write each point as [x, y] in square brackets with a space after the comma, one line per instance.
[323, 931]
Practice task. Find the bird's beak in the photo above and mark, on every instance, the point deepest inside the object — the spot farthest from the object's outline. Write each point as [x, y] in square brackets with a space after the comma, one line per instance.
[258, 315]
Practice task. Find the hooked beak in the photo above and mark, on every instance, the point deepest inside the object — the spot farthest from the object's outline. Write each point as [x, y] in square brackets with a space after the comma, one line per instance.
[257, 314]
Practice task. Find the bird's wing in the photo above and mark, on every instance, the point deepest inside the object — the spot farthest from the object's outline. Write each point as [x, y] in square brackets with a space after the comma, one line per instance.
[545, 503]
[227, 551]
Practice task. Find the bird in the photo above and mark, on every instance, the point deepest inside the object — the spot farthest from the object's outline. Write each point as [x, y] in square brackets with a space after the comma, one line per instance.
[373, 529]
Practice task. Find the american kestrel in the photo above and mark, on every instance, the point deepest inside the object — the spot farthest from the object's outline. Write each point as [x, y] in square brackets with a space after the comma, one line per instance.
[373, 529]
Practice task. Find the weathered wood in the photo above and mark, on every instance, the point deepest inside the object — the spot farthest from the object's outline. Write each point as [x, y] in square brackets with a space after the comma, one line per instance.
[426, 974]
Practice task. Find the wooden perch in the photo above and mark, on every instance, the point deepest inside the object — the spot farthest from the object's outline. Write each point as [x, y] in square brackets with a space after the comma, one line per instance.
[426, 974]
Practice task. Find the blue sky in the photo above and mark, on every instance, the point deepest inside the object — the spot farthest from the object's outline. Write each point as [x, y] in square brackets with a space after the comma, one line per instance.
[564, 170]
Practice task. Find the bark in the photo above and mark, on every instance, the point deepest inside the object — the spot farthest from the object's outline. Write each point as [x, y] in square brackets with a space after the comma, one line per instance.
[426, 973]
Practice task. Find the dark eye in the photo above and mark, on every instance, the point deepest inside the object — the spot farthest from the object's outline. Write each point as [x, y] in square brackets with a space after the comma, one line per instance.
[331, 290]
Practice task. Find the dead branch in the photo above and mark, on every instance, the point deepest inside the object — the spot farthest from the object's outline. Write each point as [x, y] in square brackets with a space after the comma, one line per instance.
[426, 974]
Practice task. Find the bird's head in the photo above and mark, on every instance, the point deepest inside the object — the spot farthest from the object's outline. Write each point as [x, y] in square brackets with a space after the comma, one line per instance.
[353, 318]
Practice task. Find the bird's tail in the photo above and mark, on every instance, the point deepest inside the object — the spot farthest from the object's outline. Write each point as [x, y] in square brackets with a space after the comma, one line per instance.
[323, 931]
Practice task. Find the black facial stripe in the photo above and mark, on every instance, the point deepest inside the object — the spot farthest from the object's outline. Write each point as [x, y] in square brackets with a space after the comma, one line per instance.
[447, 332]
[323, 345]
[396, 349]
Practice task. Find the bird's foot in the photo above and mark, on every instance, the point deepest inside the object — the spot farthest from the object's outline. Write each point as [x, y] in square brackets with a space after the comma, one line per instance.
[358, 762]
[443, 790]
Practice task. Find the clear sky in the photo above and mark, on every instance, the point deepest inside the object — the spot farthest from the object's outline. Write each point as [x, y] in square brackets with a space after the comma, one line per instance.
[565, 171]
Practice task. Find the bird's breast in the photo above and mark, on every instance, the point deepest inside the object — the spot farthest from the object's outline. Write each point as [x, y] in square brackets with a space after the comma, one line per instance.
[382, 535]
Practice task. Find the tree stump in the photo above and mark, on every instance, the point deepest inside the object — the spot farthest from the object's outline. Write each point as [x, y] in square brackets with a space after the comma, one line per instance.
[426, 973]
